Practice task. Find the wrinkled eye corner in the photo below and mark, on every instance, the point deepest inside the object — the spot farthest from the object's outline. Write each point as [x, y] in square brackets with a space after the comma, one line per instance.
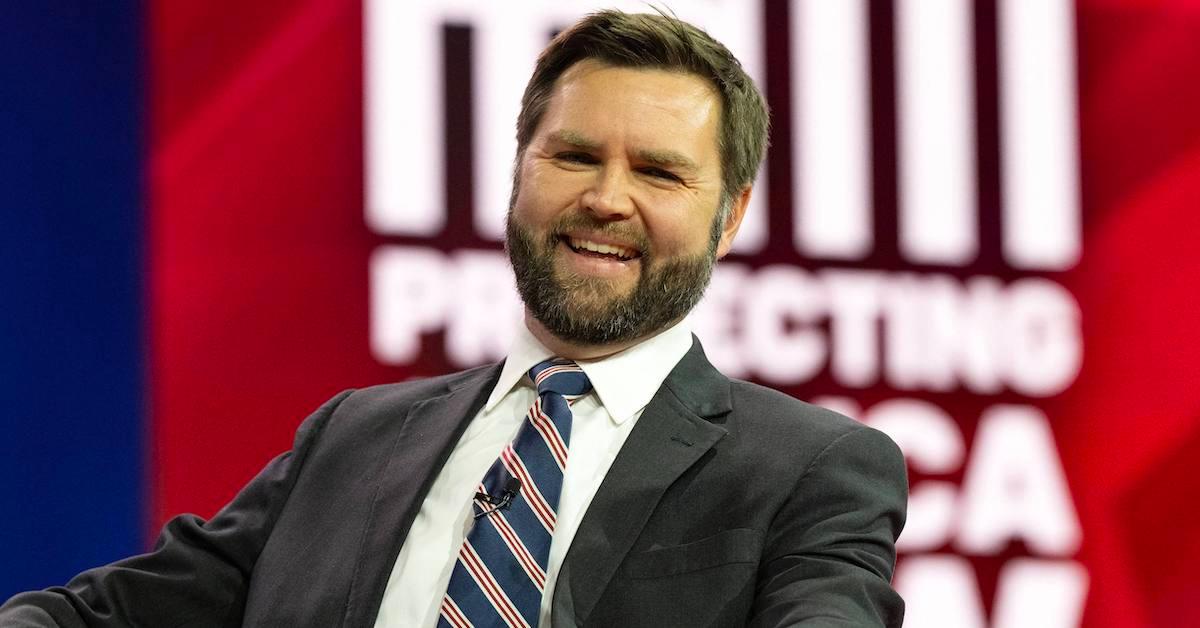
[659, 173]
[577, 158]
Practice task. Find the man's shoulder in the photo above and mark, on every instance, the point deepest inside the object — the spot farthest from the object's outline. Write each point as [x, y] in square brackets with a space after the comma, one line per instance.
[776, 417]
[773, 405]
[758, 414]
[398, 397]
[786, 436]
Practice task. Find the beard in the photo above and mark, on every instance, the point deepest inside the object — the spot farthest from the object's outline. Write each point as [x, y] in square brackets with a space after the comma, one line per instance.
[592, 311]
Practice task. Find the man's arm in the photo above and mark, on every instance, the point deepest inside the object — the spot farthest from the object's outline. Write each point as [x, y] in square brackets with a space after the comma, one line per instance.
[830, 551]
[197, 574]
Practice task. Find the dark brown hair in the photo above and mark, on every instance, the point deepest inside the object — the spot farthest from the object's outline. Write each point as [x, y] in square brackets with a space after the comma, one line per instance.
[641, 40]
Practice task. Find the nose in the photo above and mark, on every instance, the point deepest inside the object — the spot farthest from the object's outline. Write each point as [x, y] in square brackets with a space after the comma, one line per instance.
[608, 198]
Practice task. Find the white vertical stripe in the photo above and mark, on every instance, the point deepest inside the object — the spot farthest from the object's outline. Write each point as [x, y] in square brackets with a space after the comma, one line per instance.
[936, 131]
[402, 49]
[504, 49]
[1038, 134]
[831, 145]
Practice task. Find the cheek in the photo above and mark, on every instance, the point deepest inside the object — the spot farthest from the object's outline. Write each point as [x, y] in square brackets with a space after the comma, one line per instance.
[529, 209]
[680, 233]
[543, 195]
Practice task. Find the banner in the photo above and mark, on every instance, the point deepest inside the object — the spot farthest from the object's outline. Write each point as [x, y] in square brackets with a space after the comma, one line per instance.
[973, 232]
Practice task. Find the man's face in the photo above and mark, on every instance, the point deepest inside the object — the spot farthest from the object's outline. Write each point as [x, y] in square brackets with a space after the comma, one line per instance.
[612, 231]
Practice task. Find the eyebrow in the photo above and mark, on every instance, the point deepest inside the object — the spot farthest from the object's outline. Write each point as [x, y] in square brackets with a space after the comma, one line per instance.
[575, 139]
[667, 158]
[656, 156]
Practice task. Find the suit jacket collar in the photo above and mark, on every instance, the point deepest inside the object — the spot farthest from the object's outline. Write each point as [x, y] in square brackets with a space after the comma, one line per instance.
[422, 445]
[678, 427]
[699, 386]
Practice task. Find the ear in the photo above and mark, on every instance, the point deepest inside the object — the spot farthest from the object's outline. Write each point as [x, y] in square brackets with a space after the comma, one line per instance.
[736, 212]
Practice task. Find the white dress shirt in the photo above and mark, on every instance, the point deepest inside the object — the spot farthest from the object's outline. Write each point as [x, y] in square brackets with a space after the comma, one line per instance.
[622, 385]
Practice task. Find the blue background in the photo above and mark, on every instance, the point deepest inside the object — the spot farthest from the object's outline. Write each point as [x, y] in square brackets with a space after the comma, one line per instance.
[72, 345]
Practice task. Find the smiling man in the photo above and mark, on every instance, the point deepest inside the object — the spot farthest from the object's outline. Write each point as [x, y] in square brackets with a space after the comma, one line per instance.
[618, 208]
[605, 474]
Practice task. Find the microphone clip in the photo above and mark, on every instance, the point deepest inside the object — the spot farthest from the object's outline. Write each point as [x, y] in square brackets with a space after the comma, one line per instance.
[511, 488]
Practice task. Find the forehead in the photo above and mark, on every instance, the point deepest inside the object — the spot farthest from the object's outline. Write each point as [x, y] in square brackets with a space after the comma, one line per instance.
[633, 104]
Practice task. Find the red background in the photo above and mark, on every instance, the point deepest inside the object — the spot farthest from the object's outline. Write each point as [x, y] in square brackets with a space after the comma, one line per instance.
[259, 254]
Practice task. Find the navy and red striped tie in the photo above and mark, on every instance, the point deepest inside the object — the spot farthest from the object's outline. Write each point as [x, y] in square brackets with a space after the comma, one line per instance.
[501, 570]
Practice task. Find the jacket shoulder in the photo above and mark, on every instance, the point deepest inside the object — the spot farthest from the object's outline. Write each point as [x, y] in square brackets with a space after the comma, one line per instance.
[400, 396]
[766, 407]
[765, 420]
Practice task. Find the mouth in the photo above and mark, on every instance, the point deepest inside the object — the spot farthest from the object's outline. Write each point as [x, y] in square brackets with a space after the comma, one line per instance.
[601, 250]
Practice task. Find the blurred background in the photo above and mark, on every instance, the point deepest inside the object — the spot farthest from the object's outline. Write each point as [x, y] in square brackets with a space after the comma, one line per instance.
[974, 231]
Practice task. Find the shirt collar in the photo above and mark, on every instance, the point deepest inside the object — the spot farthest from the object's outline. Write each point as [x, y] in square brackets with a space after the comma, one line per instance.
[526, 352]
[625, 381]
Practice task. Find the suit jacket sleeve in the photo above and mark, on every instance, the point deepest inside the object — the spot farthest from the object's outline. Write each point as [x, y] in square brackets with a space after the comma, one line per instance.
[830, 551]
[197, 573]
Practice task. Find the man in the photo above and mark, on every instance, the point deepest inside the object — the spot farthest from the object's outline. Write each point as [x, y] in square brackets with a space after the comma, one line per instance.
[605, 474]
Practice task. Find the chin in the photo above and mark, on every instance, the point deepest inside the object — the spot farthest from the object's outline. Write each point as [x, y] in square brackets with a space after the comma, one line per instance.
[591, 286]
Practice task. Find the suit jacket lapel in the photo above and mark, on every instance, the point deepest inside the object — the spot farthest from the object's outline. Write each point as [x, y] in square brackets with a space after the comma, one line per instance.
[674, 431]
[422, 445]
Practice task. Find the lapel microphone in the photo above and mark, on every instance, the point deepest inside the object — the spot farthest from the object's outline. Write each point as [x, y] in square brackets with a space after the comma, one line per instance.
[511, 487]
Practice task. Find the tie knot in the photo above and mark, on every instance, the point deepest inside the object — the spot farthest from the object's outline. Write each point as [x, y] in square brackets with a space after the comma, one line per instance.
[560, 376]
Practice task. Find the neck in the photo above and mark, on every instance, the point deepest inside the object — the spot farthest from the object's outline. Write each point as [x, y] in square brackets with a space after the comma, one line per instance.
[573, 350]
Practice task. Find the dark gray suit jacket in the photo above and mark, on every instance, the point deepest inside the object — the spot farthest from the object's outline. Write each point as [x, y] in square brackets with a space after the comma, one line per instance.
[730, 504]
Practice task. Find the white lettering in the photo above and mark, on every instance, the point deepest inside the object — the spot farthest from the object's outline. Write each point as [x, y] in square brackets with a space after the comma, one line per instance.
[939, 334]
[831, 151]
[484, 308]
[1046, 349]
[1040, 162]
[779, 322]
[403, 124]
[936, 131]
[1035, 593]
[939, 591]
[782, 304]
[932, 445]
[1014, 486]
[853, 326]
[408, 298]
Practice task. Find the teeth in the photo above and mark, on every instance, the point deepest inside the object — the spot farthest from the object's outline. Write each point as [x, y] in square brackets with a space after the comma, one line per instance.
[605, 249]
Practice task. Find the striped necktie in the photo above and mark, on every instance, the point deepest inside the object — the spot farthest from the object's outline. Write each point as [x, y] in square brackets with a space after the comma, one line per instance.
[501, 570]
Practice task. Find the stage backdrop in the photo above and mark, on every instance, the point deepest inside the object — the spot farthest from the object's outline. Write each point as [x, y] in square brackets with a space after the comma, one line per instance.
[973, 232]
